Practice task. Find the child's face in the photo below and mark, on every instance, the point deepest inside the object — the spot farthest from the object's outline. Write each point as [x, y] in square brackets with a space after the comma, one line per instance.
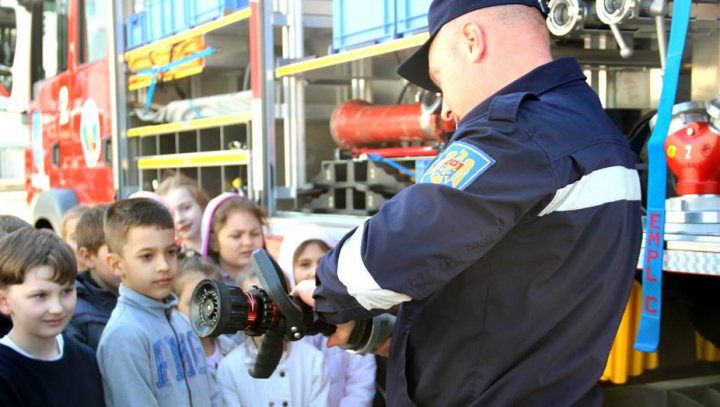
[186, 295]
[101, 270]
[187, 214]
[148, 262]
[238, 238]
[39, 307]
[71, 237]
[307, 262]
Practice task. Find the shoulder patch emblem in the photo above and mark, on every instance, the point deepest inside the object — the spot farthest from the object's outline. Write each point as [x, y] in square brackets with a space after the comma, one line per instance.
[458, 166]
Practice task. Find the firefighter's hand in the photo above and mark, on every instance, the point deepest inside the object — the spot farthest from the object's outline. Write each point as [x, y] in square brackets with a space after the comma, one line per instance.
[384, 349]
[305, 290]
[341, 334]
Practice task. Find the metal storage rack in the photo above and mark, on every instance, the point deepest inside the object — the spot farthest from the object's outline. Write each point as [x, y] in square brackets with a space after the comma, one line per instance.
[198, 148]
[311, 88]
[213, 150]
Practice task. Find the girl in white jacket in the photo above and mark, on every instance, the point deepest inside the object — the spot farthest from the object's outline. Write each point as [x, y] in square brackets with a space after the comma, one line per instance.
[352, 377]
[299, 380]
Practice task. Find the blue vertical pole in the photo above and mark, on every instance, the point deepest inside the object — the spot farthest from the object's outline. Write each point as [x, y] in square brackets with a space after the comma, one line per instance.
[648, 335]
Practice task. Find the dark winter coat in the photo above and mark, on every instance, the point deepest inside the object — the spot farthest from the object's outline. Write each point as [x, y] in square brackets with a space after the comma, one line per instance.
[92, 311]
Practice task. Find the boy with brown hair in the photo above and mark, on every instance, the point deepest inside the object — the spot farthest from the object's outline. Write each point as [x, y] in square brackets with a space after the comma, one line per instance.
[148, 353]
[9, 224]
[38, 367]
[97, 285]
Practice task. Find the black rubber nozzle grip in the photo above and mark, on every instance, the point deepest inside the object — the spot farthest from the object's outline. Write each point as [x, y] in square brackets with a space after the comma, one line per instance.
[269, 354]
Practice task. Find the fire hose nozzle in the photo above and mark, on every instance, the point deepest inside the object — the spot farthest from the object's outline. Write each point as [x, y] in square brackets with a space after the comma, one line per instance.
[217, 308]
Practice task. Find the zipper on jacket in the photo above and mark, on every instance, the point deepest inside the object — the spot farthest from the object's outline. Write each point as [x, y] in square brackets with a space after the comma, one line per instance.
[168, 314]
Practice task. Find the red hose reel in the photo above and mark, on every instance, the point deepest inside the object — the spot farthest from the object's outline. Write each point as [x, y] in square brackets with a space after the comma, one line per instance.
[357, 124]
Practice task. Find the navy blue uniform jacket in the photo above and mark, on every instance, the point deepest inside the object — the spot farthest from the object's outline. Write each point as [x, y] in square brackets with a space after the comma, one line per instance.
[513, 258]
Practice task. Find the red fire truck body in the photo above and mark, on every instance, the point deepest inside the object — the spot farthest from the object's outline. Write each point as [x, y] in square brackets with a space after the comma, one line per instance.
[69, 157]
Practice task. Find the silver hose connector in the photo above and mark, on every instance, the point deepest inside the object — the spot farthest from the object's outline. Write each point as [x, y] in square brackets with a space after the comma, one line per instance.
[614, 13]
[568, 16]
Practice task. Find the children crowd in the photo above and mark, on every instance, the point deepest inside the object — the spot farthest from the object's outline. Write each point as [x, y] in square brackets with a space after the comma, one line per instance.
[99, 315]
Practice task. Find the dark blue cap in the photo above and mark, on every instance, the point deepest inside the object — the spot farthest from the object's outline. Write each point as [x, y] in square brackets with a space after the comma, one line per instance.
[416, 69]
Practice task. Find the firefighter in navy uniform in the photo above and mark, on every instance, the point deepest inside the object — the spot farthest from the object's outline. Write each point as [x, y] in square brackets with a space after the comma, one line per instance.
[514, 256]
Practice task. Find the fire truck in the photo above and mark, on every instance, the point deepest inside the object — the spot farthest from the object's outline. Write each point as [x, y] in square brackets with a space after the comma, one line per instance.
[296, 103]
[70, 110]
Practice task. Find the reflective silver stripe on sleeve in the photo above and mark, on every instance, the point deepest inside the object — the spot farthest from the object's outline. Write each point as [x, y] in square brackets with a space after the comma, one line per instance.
[357, 279]
[600, 187]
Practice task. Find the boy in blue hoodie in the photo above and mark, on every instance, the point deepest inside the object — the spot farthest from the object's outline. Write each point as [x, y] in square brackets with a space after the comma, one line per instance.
[148, 353]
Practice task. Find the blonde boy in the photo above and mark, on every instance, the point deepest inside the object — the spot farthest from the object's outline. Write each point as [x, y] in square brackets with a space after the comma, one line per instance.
[148, 353]
[38, 367]
[67, 228]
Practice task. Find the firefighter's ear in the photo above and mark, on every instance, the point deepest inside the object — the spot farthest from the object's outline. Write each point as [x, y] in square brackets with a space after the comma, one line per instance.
[473, 41]
[116, 264]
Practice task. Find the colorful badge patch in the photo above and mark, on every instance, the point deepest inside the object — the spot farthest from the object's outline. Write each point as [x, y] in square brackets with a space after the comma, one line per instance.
[458, 166]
